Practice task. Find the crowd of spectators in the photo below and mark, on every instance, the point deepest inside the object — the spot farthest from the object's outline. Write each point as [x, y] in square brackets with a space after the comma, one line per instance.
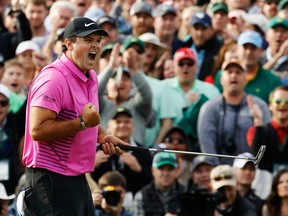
[206, 76]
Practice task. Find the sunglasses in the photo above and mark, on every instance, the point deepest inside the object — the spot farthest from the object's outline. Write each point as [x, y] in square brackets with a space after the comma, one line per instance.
[171, 140]
[188, 63]
[223, 177]
[4, 103]
[280, 101]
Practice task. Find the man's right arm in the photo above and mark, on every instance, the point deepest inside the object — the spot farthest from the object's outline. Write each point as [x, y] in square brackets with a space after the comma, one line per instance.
[43, 125]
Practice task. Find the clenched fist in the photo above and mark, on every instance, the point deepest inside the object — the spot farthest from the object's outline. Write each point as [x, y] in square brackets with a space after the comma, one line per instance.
[90, 115]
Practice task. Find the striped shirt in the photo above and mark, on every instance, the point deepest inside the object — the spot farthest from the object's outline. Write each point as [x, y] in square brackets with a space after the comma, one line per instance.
[64, 89]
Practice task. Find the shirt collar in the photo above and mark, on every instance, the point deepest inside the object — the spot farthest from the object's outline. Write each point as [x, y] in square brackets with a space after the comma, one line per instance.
[71, 66]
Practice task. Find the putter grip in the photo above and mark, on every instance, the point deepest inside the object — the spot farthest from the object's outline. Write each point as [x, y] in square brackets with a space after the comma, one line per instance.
[129, 148]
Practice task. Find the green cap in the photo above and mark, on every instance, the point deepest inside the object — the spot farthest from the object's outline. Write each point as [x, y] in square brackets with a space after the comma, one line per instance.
[106, 49]
[164, 158]
[219, 6]
[130, 40]
[282, 4]
[275, 21]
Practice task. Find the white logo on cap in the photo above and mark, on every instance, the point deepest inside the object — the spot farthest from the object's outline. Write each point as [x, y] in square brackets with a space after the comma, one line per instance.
[200, 15]
[86, 25]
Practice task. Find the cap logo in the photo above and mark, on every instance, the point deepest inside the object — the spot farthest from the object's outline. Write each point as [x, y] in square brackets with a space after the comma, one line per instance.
[86, 25]
[200, 15]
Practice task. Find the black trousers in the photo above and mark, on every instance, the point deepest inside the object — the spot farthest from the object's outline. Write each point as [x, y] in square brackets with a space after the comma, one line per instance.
[50, 194]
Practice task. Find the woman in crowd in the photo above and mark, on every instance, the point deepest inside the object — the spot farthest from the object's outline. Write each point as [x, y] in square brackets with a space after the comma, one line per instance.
[277, 202]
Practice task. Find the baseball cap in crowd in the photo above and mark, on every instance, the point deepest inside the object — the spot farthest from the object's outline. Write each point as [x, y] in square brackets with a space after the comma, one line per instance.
[141, 7]
[122, 111]
[240, 163]
[107, 19]
[277, 21]
[5, 91]
[164, 158]
[282, 4]
[130, 40]
[81, 27]
[236, 13]
[259, 20]
[175, 129]
[185, 53]
[163, 9]
[222, 175]
[219, 6]
[3, 193]
[201, 18]
[27, 45]
[201, 159]
[232, 61]
[94, 13]
[250, 37]
[106, 49]
[149, 37]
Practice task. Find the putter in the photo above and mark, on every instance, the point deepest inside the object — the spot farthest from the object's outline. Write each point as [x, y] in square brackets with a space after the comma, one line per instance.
[255, 160]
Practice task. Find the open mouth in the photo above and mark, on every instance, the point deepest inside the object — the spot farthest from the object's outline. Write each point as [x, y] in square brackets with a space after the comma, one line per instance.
[92, 56]
[81, 4]
[233, 82]
[14, 85]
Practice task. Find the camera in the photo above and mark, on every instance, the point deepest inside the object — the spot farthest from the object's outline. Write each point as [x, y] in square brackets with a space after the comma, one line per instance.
[111, 196]
[200, 201]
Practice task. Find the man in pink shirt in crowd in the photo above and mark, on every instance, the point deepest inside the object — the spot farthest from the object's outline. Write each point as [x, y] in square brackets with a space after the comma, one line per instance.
[62, 127]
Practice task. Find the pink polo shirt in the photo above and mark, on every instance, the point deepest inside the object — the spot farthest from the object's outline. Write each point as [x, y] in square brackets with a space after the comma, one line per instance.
[64, 89]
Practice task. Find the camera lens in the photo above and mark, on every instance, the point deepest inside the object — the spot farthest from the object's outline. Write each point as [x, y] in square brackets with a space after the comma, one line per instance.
[112, 197]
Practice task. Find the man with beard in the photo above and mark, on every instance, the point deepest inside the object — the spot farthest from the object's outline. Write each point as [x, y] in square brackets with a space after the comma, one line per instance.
[260, 82]
[141, 18]
[224, 121]
[63, 127]
[272, 134]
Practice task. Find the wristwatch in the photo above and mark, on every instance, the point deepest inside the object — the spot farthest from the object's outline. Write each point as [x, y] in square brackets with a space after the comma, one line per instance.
[83, 125]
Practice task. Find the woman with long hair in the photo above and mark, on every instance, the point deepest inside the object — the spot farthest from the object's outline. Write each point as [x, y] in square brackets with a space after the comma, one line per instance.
[277, 202]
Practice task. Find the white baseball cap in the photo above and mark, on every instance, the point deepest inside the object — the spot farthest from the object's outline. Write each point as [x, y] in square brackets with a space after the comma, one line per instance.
[240, 163]
[5, 91]
[27, 45]
[3, 193]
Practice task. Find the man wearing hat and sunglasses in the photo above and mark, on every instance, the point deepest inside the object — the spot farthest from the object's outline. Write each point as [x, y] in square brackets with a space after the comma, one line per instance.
[63, 126]
[223, 179]
[272, 134]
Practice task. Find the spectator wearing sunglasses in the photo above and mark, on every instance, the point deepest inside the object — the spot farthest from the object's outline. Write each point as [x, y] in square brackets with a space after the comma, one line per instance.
[186, 88]
[223, 180]
[273, 134]
[176, 139]
[12, 128]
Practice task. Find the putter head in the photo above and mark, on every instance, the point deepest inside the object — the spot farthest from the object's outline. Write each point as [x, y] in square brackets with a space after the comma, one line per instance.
[259, 155]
